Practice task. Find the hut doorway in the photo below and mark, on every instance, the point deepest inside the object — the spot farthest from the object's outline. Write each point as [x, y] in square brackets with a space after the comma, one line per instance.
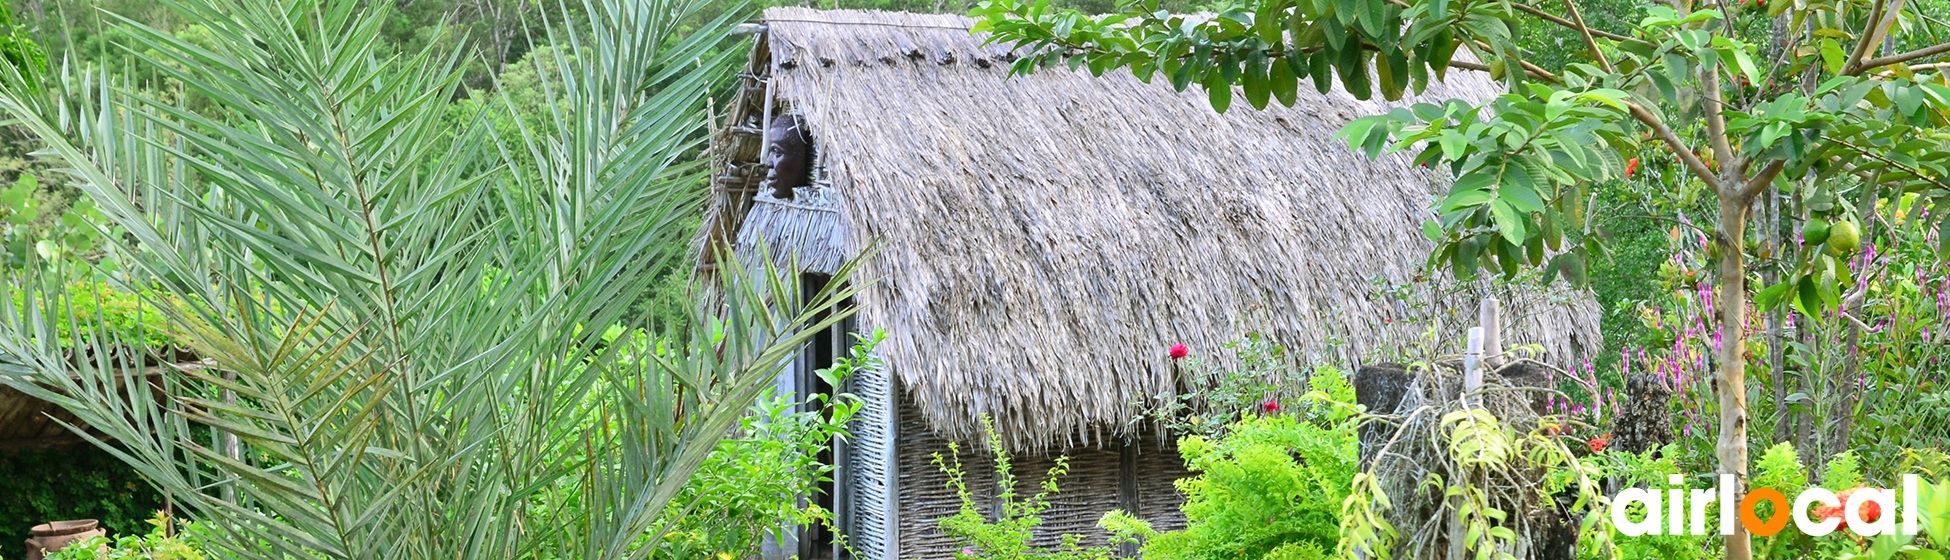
[819, 542]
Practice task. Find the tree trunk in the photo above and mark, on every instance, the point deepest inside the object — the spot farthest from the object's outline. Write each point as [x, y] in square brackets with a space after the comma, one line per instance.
[1731, 382]
[1776, 243]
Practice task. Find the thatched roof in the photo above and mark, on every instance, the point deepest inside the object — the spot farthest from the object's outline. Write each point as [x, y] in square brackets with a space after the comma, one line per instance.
[1042, 240]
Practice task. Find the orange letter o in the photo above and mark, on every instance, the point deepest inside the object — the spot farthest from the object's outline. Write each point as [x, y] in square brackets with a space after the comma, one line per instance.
[1752, 521]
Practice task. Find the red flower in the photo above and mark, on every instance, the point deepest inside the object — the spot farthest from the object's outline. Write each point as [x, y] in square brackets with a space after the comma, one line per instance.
[1552, 430]
[1598, 444]
[1870, 511]
[1269, 407]
[1631, 166]
[1179, 351]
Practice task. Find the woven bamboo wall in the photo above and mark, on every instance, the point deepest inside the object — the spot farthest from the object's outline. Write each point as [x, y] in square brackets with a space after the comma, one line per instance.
[1158, 467]
[925, 498]
[870, 474]
[1089, 490]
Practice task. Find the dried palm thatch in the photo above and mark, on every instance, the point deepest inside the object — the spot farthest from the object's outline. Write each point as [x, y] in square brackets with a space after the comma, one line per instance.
[1042, 240]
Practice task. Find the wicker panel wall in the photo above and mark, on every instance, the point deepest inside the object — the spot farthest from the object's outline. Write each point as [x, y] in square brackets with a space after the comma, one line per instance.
[1082, 497]
[1158, 466]
[1089, 490]
[925, 498]
[871, 475]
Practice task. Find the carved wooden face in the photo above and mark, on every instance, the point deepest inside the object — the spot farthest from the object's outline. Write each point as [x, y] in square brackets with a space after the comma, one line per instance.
[787, 155]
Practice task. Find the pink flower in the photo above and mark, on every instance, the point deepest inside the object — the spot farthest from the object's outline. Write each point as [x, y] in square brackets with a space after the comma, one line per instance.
[1179, 351]
[1269, 407]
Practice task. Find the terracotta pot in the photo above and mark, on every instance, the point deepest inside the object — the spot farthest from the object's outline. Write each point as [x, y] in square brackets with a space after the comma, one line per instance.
[52, 537]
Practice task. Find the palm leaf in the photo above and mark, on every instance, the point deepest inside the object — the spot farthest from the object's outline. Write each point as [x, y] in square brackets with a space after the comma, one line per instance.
[405, 324]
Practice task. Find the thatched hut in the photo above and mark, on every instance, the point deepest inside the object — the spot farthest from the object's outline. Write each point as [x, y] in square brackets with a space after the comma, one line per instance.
[1041, 241]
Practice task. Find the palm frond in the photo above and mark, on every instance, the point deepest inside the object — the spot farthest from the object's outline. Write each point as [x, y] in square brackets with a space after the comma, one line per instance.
[405, 330]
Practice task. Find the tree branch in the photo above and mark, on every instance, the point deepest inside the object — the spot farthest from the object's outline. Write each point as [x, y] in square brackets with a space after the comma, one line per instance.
[1716, 120]
[1903, 57]
[1479, 67]
[1886, 74]
[1760, 181]
[1546, 16]
[1686, 154]
[1862, 47]
[1534, 71]
[1892, 163]
[1589, 42]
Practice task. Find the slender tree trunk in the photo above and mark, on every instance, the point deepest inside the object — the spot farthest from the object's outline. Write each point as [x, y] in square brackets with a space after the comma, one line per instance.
[1848, 385]
[1731, 382]
[1776, 244]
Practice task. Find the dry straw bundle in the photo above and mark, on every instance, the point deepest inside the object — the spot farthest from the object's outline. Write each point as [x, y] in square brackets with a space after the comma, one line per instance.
[1489, 443]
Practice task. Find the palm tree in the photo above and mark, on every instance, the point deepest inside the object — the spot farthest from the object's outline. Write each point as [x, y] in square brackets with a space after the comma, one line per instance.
[405, 345]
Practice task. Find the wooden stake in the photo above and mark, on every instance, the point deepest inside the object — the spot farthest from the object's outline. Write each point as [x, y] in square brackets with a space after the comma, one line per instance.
[1490, 318]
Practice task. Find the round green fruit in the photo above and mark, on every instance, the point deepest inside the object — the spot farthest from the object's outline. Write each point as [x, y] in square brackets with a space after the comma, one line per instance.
[1815, 231]
[1844, 238]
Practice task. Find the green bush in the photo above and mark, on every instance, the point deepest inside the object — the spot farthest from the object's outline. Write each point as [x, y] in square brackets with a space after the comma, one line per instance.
[82, 482]
[169, 539]
[1272, 487]
[736, 493]
[119, 314]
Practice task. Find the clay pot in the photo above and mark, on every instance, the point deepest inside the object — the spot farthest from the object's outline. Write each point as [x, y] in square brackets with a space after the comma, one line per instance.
[52, 537]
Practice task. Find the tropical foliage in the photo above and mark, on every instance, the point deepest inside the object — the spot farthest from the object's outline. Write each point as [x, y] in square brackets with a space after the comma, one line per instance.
[405, 343]
[1821, 116]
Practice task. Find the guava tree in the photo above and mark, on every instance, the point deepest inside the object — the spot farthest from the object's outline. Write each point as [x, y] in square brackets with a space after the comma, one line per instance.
[1751, 99]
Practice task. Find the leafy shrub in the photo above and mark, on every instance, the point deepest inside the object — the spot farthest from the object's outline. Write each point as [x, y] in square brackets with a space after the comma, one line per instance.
[170, 539]
[1270, 484]
[1218, 397]
[1272, 487]
[1007, 538]
[743, 491]
[83, 482]
[97, 305]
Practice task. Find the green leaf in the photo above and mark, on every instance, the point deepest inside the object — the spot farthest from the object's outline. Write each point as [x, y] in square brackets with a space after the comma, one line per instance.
[1808, 298]
[1182, 77]
[1520, 190]
[1386, 79]
[1321, 70]
[1943, 241]
[1229, 67]
[1255, 80]
[1284, 83]
[1772, 297]
[1442, 49]
[1832, 56]
[1219, 91]
[1396, 70]
[1353, 68]
[1570, 266]
[1509, 221]
[1465, 262]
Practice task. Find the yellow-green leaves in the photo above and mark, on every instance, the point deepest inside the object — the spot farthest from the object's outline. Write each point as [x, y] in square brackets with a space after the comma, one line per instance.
[1476, 438]
[1832, 56]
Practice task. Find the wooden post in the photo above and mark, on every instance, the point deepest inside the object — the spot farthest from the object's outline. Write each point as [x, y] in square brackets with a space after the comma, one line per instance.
[1473, 363]
[1490, 318]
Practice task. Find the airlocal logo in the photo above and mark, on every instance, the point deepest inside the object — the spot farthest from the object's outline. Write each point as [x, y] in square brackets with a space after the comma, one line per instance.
[1675, 510]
